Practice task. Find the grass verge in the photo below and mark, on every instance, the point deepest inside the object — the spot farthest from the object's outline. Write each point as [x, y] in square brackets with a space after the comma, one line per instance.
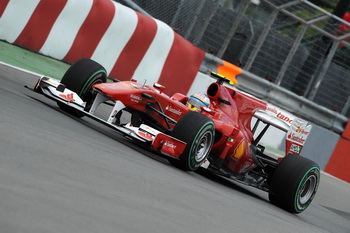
[34, 62]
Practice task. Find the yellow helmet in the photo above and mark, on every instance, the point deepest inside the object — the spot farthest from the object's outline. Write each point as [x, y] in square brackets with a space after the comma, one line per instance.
[197, 100]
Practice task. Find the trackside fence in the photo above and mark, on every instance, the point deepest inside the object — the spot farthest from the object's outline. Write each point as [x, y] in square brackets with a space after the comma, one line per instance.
[299, 50]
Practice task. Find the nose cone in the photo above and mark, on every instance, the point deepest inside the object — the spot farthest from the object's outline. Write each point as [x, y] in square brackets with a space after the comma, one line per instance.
[113, 88]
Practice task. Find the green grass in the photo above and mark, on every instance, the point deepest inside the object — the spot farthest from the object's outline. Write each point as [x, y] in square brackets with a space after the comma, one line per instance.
[34, 62]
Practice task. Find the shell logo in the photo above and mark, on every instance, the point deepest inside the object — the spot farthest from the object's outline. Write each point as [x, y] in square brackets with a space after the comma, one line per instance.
[240, 150]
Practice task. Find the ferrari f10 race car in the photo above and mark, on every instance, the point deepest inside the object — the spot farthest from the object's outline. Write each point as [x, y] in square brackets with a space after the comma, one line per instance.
[219, 137]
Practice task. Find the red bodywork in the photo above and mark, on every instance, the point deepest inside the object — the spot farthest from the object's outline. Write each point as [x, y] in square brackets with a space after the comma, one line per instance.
[231, 111]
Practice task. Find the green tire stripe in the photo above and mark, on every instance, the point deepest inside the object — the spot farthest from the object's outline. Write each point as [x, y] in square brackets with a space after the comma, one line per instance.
[295, 198]
[89, 79]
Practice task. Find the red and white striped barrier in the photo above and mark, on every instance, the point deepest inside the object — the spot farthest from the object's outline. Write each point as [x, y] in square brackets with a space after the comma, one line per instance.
[127, 43]
[339, 163]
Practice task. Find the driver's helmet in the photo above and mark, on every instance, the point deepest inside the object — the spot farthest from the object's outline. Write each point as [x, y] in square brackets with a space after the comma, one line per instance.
[197, 100]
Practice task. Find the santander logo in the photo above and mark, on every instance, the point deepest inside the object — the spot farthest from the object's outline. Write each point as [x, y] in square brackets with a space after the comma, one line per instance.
[175, 111]
[295, 138]
[280, 114]
[169, 144]
[284, 118]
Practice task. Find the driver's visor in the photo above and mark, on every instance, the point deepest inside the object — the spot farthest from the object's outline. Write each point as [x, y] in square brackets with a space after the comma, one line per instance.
[195, 102]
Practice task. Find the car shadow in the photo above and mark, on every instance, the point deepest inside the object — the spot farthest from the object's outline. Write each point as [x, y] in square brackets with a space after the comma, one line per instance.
[229, 183]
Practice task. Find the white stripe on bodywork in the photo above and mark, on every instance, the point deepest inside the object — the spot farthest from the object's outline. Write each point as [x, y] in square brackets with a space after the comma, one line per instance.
[116, 37]
[15, 18]
[66, 28]
[200, 83]
[153, 62]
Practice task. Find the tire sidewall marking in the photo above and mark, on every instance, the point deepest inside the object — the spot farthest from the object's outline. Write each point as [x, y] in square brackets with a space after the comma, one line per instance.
[192, 163]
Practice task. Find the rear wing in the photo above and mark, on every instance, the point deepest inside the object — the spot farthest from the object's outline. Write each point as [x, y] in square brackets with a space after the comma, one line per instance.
[297, 130]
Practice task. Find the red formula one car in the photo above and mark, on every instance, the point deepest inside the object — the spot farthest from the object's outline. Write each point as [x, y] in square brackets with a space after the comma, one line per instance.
[218, 137]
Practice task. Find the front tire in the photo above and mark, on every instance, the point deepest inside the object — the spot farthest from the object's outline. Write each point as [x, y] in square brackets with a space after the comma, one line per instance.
[80, 77]
[294, 183]
[197, 130]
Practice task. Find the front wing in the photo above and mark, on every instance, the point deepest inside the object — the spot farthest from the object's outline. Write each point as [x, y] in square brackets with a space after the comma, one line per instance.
[160, 142]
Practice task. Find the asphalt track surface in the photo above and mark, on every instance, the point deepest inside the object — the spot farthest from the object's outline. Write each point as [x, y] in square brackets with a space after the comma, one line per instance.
[63, 174]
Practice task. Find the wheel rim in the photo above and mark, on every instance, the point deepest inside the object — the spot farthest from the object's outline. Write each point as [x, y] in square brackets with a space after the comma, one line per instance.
[307, 190]
[203, 146]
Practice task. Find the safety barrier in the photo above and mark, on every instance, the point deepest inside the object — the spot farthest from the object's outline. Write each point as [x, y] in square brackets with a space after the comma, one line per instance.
[127, 43]
[286, 99]
[339, 163]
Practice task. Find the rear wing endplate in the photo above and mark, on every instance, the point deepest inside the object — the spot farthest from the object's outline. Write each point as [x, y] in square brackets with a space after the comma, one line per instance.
[297, 130]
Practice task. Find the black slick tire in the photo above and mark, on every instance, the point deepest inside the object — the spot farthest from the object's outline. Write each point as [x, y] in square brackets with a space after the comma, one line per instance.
[197, 130]
[294, 183]
[79, 78]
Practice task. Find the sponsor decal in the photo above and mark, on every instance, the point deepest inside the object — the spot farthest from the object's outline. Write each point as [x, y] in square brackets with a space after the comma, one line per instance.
[295, 148]
[278, 113]
[145, 135]
[240, 150]
[175, 111]
[272, 110]
[301, 131]
[135, 98]
[296, 138]
[297, 135]
[284, 118]
[169, 144]
[68, 97]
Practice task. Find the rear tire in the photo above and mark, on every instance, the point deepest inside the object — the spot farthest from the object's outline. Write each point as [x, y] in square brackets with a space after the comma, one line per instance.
[197, 130]
[294, 183]
[80, 77]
